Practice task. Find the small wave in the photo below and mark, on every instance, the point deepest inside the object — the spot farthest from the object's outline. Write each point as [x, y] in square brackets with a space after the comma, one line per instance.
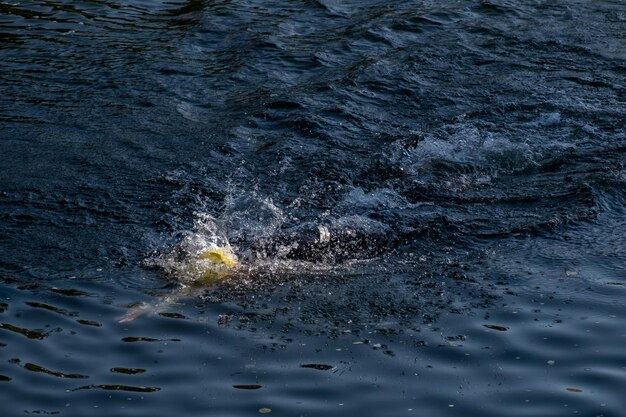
[461, 156]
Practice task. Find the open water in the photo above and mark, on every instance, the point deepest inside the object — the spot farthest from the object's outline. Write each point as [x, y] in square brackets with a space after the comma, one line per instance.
[487, 138]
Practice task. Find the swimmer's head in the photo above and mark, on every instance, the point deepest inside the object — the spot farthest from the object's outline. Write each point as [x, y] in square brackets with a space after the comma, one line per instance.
[220, 256]
[215, 264]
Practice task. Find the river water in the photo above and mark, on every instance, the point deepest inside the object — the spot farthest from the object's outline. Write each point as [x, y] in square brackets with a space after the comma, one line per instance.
[486, 137]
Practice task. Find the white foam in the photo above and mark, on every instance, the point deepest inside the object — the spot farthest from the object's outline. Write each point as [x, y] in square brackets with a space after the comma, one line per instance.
[382, 198]
[248, 215]
[459, 156]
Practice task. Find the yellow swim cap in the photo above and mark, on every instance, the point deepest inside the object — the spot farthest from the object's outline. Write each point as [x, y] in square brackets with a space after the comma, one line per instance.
[220, 260]
[220, 256]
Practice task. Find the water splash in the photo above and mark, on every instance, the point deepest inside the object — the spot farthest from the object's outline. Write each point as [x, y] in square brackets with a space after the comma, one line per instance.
[187, 262]
[268, 242]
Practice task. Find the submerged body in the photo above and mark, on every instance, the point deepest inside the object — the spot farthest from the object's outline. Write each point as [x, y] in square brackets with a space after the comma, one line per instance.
[345, 239]
[206, 254]
[206, 258]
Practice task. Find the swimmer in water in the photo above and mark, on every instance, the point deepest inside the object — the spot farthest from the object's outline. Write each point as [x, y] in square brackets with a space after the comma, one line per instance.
[201, 261]
[344, 239]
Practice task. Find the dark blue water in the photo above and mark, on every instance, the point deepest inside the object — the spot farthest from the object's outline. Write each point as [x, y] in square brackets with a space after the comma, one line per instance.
[485, 138]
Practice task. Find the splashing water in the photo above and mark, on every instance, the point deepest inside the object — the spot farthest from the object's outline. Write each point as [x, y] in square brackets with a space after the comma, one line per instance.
[253, 239]
[201, 254]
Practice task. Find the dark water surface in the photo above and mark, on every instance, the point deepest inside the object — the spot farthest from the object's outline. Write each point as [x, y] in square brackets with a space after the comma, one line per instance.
[487, 137]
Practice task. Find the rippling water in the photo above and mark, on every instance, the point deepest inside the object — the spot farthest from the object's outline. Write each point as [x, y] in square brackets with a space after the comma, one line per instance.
[486, 138]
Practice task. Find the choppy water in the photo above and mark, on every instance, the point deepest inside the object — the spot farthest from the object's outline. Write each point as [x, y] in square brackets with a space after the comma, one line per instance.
[487, 137]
